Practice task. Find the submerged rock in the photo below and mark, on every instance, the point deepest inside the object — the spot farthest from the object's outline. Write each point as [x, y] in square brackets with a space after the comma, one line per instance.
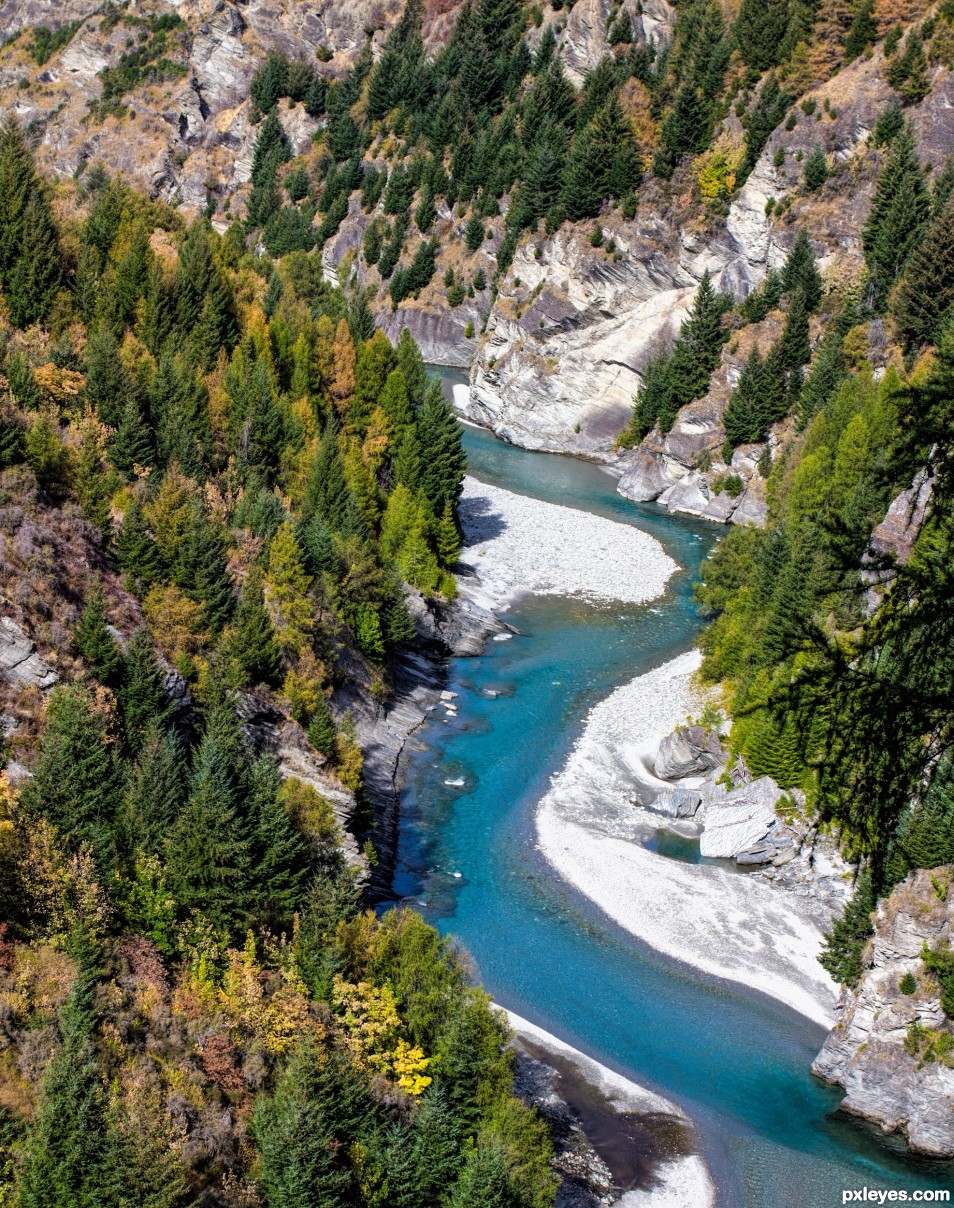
[889, 1049]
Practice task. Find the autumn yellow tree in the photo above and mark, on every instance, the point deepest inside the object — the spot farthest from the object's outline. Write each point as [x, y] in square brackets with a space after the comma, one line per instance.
[286, 590]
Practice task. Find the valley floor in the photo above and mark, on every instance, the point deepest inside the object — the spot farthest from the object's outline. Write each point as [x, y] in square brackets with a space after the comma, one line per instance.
[589, 828]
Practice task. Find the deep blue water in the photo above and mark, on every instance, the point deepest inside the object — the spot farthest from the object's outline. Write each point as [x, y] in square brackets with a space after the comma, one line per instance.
[736, 1060]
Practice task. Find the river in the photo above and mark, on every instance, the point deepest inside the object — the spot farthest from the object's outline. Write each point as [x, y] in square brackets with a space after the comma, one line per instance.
[738, 1062]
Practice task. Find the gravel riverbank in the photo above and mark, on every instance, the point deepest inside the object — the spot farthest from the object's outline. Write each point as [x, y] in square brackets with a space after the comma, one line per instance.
[724, 922]
[521, 546]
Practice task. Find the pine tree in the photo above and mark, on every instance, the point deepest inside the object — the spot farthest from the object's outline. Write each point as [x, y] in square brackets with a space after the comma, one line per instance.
[133, 444]
[927, 289]
[136, 552]
[743, 418]
[208, 851]
[448, 538]
[696, 351]
[317, 546]
[70, 1159]
[927, 840]
[92, 640]
[17, 179]
[254, 644]
[899, 213]
[280, 860]
[763, 118]
[305, 1131]
[322, 732]
[845, 942]
[142, 693]
[827, 374]
[653, 398]
[11, 437]
[36, 275]
[30, 271]
[286, 589]
[794, 346]
[202, 572]
[22, 384]
[107, 384]
[411, 364]
[75, 782]
[760, 30]
[801, 271]
[327, 492]
[443, 462]
[426, 211]
[155, 793]
[485, 1179]
[863, 32]
[270, 81]
[816, 169]
[474, 232]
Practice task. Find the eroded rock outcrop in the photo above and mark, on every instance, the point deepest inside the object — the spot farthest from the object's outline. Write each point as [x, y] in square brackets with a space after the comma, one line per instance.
[884, 1048]
[19, 662]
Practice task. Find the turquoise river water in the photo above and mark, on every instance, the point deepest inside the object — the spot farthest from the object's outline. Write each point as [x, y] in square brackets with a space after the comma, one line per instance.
[737, 1061]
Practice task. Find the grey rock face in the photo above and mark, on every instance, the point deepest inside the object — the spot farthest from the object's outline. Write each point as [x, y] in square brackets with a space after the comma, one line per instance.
[896, 534]
[19, 662]
[866, 1052]
[737, 821]
[688, 751]
[676, 803]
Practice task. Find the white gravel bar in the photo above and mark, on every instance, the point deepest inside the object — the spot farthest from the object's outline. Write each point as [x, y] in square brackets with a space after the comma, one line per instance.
[715, 919]
[520, 546]
[685, 1181]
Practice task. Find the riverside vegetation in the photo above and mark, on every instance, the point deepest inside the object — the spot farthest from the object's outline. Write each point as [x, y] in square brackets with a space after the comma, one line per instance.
[196, 1010]
[255, 472]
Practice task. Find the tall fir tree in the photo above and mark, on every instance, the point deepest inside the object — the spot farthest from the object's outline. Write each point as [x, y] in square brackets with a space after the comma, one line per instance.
[76, 783]
[899, 213]
[254, 645]
[202, 571]
[155, 793]
[70, 1158]
[92, 640]
[142, 697]
[926, 295]
[137, 553]
[306, 1130]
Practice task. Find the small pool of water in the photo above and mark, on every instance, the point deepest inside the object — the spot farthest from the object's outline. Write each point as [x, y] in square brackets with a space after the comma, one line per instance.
[674, 847]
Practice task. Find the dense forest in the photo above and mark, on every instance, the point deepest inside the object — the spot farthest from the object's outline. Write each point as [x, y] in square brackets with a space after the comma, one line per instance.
[195, 1007]
[247, 474]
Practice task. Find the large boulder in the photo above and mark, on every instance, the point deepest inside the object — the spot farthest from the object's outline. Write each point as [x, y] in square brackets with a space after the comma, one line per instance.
[739, 821]
[688, 751]
[676, 803]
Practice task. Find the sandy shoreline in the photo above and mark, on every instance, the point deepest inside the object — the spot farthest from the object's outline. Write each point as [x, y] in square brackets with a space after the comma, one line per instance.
[521, 546]
[713, 918]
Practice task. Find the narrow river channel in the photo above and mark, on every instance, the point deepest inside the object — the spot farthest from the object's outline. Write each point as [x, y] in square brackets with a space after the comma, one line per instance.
[736, 1061]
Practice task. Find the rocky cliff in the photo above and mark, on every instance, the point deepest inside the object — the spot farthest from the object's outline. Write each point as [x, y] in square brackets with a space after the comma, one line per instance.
[572, 329]
[891, 1048]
